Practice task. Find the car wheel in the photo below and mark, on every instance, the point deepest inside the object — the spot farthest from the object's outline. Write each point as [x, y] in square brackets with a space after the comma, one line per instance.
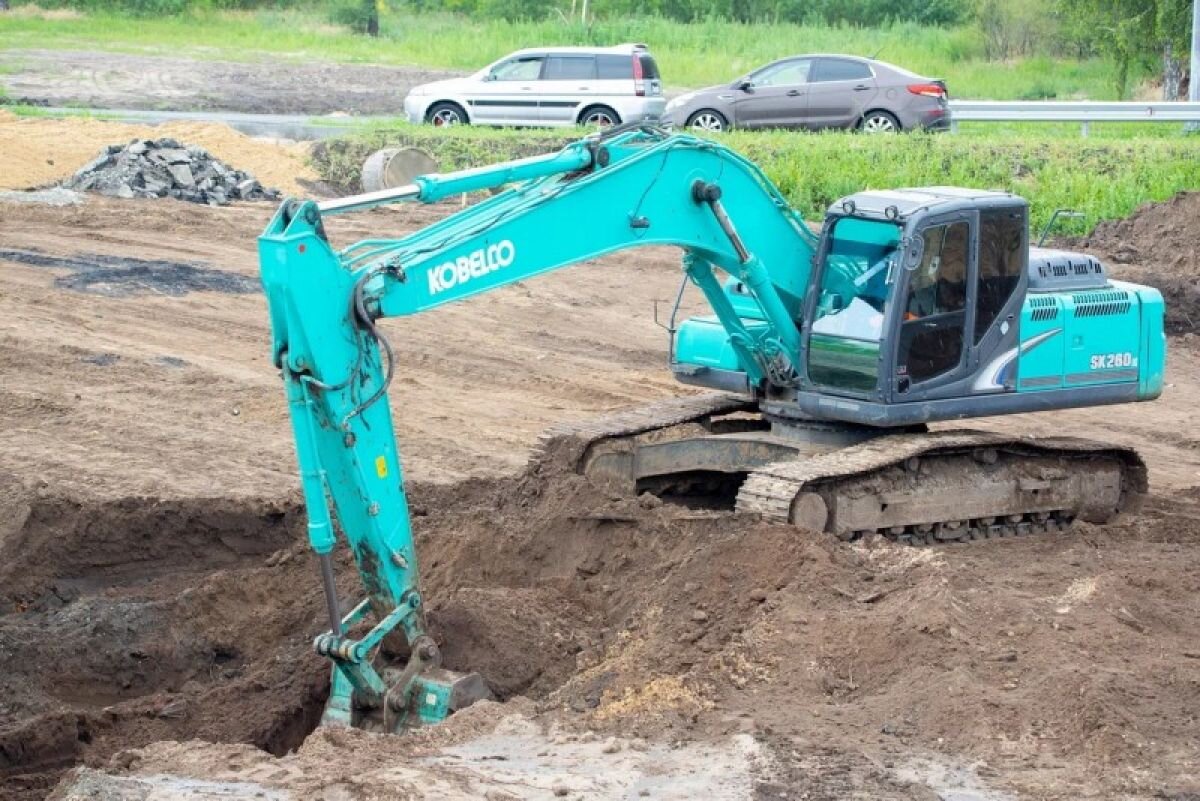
[442, 114]
[708, 120]
[599, 117]
[879, 122]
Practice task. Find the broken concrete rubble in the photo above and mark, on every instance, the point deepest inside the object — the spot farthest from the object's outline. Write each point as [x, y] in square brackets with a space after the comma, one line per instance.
[167, 168]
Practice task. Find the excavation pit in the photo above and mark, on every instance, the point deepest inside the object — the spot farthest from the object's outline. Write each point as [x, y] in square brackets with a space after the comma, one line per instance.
[138, 621]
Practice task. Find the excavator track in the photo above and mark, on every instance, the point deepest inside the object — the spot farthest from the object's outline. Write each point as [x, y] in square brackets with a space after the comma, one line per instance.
[939, 480]
[915, 488]
[563, 446]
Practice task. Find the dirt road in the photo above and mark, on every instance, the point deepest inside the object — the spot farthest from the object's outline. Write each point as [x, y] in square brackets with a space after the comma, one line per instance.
[149, 488]
[91, 79]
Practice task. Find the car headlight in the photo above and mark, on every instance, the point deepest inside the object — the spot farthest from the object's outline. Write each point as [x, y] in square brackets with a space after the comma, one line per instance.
[679, 101]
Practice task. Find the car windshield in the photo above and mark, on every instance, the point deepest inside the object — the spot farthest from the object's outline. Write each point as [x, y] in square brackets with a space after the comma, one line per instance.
[857, 278]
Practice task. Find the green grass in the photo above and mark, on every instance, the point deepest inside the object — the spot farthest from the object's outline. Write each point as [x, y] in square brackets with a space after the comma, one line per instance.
[23, 110]
[1072, 130]
[689, 55]
[1104, 179]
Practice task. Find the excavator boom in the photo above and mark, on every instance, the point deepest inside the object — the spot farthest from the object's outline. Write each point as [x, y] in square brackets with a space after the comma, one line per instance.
[624, 189]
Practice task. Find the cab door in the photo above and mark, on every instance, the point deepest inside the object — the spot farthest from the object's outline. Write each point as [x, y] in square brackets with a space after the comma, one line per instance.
[933, 310]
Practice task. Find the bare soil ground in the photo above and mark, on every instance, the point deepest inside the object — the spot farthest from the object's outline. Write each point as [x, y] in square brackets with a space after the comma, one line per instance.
[155, 587]
[120, 80]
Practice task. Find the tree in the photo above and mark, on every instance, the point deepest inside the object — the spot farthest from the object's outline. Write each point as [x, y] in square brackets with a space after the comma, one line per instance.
[1016, 27]
[1173, 25]
[371, 16]
[1132, 32]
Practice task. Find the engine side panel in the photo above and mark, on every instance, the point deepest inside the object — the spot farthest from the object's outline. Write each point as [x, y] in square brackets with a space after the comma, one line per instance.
[1092, 337]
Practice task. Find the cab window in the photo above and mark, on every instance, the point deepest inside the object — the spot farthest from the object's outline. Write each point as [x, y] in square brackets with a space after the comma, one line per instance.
[861, 264]
[931, 334]
[525, 68]
[857, 277]
[614, 68]
[1001, 241]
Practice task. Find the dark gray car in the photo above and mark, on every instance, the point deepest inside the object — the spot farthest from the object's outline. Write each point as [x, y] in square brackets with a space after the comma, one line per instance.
[816, 92]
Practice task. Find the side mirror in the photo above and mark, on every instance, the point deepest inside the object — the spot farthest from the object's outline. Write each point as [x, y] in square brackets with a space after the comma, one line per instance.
[745, 85]
[491, 76]
[914, 250]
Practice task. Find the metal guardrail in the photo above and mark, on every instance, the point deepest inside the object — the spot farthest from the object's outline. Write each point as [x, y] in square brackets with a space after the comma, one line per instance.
[1081, 111]
[313, 127]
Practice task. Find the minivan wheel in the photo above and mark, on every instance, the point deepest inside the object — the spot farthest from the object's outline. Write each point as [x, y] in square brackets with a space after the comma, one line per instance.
[708, 120]
[442, 114]
[599, 117]
[879, 122]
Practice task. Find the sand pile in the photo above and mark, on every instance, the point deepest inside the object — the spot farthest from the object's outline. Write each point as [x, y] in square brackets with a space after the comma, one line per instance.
[39, 151]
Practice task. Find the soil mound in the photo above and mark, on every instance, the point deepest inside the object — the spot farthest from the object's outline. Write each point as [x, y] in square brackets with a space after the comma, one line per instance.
[1158, 245]
[1163, 235]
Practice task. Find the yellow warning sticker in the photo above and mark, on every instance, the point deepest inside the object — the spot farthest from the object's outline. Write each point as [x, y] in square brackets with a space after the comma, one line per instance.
[381, 466]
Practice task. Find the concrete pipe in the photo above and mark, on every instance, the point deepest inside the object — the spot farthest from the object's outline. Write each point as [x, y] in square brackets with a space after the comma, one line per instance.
[395, 166]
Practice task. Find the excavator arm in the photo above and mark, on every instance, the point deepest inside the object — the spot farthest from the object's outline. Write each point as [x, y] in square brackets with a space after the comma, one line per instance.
[625, 188]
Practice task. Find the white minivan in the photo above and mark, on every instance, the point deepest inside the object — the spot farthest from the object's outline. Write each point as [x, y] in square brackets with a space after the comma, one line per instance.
[550, 86]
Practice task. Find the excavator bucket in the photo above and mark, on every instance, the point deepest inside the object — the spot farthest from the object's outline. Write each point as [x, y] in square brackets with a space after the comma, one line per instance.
[439, 693]
[413, 694]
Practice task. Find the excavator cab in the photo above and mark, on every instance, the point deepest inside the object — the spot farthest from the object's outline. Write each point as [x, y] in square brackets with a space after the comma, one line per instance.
[908, 287]
[928, 304]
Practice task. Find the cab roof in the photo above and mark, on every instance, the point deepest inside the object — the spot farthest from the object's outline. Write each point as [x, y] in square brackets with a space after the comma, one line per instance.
[926, 199]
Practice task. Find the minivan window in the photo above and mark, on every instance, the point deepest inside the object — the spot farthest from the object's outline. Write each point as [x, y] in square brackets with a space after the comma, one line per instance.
[614, 68]
[570, 68]
[789, 73]
[526, 68]
[830, 69]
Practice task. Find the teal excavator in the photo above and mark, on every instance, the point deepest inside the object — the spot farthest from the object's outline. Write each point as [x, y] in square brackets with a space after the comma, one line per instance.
[826, 359]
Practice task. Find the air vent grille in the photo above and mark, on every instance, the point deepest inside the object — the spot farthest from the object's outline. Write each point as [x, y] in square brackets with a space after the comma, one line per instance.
[1101, 304]
[1044, 308]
